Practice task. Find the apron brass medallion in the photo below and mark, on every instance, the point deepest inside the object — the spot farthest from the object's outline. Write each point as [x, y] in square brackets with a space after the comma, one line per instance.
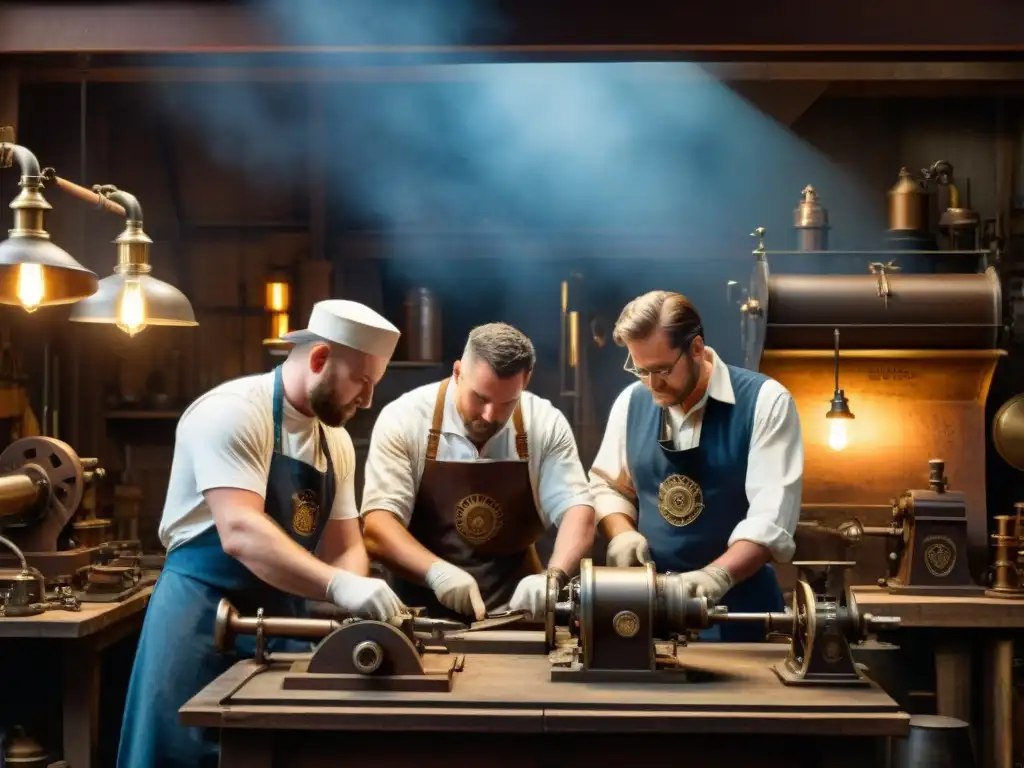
[478, 518]
[939, 555]
[626, 623]
[304, 512]
[680, 500]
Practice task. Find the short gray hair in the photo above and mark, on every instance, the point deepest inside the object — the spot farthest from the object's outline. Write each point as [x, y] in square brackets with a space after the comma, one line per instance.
[507, 350]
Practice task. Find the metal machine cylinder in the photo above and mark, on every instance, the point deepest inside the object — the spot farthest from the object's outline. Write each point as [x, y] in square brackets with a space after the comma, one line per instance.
[21, 490]
[423, 326]
[890, 311]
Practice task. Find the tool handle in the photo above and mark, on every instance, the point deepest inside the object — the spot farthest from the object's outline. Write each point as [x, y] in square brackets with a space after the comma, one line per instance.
[86, 195]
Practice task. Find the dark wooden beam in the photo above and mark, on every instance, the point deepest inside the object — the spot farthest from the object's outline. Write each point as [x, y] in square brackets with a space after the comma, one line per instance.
[525, 27]
[965, 72]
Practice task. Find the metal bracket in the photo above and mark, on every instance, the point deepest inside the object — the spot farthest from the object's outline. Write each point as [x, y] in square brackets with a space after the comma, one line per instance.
[261, 643]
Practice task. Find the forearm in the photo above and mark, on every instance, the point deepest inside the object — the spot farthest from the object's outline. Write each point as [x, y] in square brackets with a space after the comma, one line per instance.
[616, 523]
[743, 559]
[262, 547]
[574, 540]
[389, 542]
[354, 559]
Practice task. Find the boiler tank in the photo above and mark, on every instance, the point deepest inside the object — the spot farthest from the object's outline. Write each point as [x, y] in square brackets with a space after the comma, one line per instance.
[872, 311]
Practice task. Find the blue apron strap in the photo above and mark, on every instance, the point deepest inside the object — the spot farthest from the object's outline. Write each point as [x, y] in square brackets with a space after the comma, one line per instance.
[278, 407]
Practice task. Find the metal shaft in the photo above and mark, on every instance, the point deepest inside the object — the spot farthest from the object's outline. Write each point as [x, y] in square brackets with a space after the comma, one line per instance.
[19, 491]
[773, 622]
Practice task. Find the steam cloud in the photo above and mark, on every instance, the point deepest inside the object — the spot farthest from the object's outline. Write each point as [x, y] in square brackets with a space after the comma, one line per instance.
[538, 149]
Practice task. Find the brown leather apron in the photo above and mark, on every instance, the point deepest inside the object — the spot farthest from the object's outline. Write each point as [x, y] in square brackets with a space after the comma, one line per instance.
[479, 516]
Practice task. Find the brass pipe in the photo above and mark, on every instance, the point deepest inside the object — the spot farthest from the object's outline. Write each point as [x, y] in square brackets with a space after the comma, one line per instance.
[20, 491]
[86, 195]
[229, 624]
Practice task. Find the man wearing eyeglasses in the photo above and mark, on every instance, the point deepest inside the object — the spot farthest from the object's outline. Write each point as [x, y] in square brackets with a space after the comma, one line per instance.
[463, 478]
[701, 465]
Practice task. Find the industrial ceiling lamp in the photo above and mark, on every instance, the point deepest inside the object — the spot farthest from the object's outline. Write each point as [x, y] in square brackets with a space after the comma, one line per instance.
[33, 271]
[130, 298]
[839, 414]
[277, 305]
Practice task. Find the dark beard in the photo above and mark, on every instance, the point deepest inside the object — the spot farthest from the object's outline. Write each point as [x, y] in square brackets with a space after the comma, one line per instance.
[325, 405]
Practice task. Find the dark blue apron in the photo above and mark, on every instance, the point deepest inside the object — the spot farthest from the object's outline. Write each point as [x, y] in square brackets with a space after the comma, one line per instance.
[690, 501]
[176, 658]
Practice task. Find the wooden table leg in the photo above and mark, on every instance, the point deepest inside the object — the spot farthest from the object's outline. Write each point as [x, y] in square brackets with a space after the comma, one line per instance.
[998, 738]
[246, 748]
[953, 656]
[81, 704]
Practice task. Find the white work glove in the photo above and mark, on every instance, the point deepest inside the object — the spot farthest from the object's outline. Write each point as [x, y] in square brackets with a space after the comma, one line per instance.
[455, 589]
[364, 597]
[712, 582]
[628, 549]
[531, 595]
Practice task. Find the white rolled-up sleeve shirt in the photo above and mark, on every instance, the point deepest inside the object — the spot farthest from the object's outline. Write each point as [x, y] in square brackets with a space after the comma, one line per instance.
[398, 447]
[775, 464]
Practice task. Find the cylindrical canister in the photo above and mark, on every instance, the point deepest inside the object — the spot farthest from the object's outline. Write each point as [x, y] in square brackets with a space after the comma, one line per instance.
[810, 219]
[422, 326]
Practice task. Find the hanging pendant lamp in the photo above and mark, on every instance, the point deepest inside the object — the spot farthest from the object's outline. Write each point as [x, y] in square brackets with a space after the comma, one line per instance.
[131, 298]
[34, 272]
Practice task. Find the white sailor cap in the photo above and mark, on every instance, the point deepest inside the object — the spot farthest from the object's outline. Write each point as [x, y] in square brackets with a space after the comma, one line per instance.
[349, 324]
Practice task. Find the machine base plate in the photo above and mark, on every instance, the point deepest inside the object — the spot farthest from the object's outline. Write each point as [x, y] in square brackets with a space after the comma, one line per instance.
[673, 676]
[1017, 594]
[789, 677]
[431, 682]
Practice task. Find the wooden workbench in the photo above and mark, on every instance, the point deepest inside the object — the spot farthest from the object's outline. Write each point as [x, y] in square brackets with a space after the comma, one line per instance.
[85, 634]
[992, 622]
[504, 710]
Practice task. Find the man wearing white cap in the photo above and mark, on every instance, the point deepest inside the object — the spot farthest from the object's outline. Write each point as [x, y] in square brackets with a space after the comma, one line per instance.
[262, 476]
[463, 478]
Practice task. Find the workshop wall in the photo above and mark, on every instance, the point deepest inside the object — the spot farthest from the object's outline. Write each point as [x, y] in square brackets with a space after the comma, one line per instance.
[218, 233]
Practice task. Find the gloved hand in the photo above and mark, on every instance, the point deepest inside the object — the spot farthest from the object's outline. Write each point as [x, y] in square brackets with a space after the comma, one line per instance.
[456, 589]
[364, 597]
[531, 596]
[712, 582]
[628, 549]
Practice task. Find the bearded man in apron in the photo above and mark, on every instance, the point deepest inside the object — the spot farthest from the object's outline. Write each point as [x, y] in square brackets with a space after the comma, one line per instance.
[463, 478]
[701, 465]
[262, 475]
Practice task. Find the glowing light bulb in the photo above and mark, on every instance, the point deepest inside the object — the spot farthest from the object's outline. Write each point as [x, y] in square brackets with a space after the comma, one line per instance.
[838, 435]
[31, 287]
[131, 309]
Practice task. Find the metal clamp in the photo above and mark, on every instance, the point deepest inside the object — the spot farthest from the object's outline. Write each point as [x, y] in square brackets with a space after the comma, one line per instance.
[261, 645]
[882, 270]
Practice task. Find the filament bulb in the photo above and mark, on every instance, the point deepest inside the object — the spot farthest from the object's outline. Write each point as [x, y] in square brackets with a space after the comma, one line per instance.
[131, 309]
[31, 288]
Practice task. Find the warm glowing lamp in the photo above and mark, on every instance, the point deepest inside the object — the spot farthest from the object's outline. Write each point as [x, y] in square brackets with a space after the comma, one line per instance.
[277, 305]
[33, 271]
[131, 298]
[839, 415]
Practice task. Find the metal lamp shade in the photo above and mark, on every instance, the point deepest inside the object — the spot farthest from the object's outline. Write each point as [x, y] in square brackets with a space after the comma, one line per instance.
[65, 280]
[165, 304]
